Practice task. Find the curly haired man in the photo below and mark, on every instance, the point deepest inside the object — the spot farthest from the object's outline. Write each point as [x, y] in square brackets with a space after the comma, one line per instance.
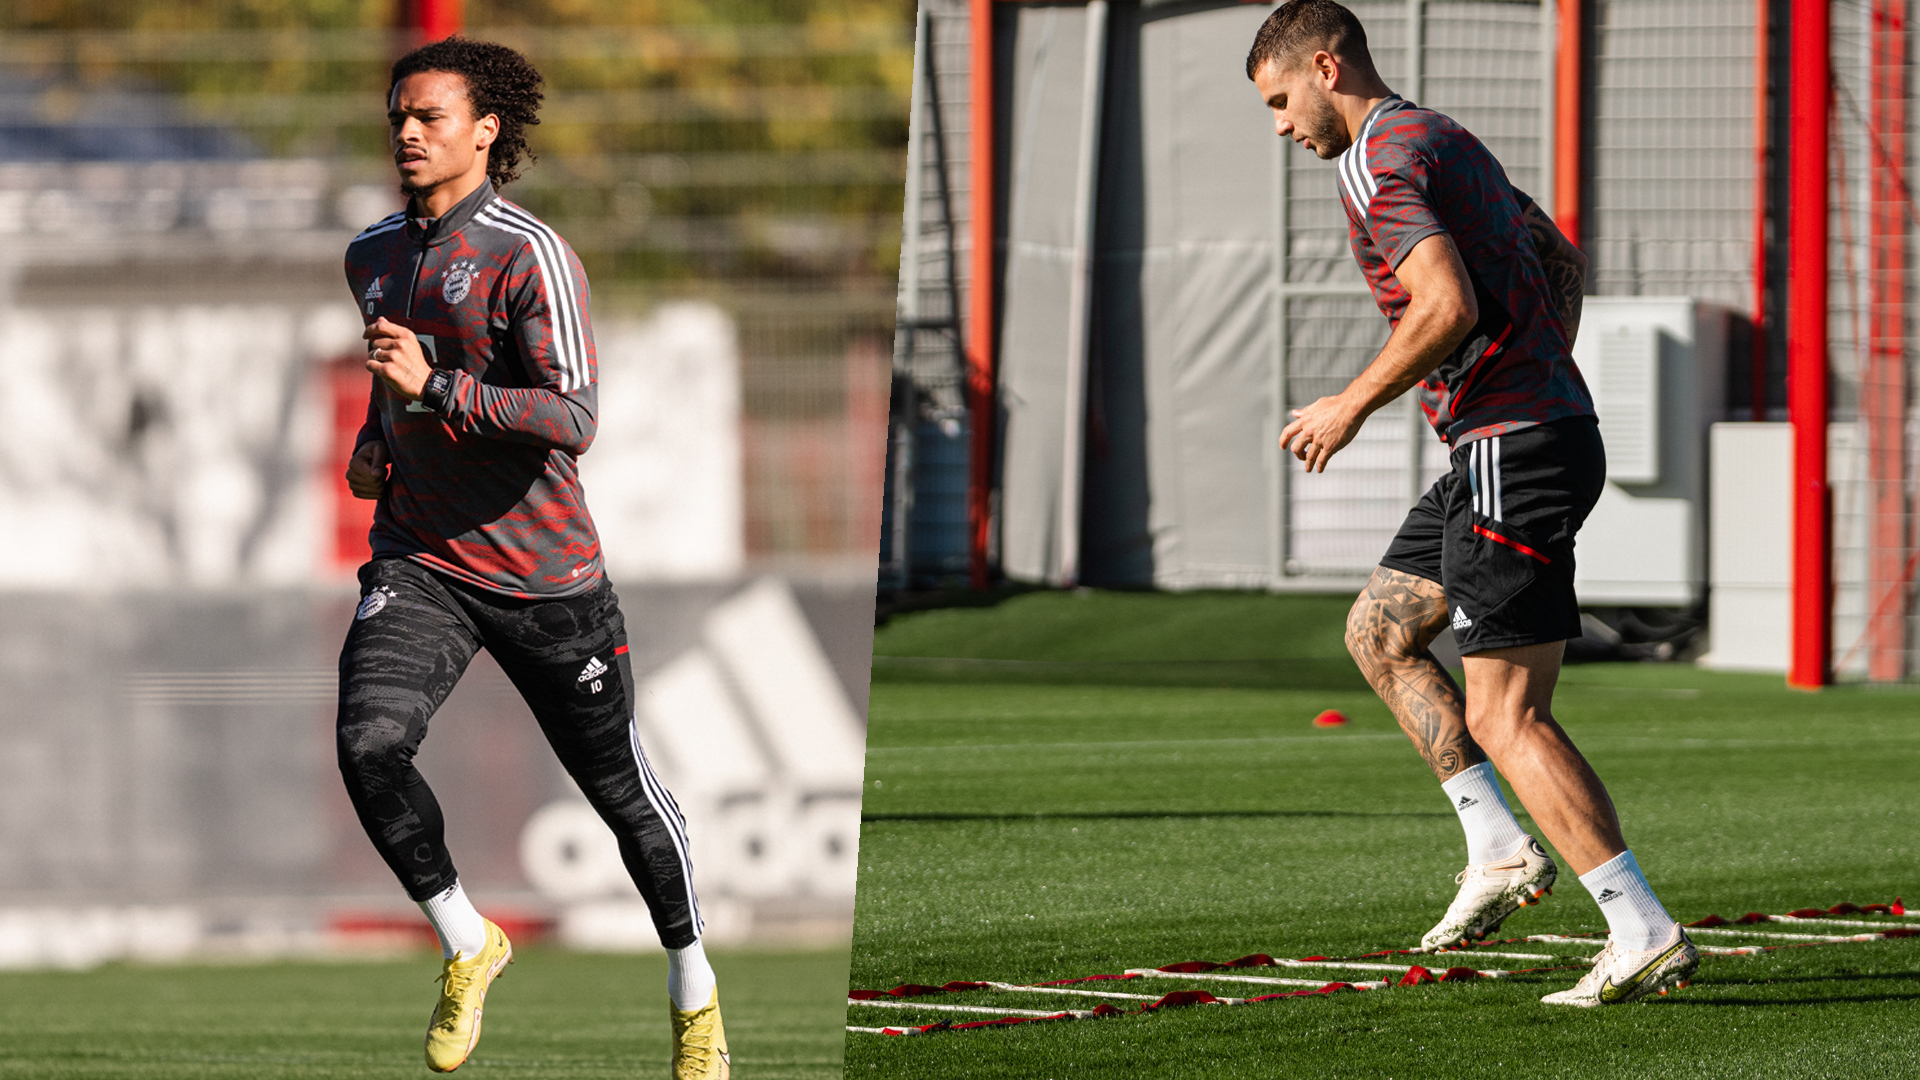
[482, 400]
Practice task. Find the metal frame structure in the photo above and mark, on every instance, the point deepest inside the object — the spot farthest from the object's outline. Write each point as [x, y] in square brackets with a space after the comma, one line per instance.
[1793, 75]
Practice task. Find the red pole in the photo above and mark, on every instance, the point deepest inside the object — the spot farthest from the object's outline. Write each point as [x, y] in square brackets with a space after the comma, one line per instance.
[433, 20]
[1884, 393]
[1757, 363]
[1568, 108]
[1811, 654]
[980, 376]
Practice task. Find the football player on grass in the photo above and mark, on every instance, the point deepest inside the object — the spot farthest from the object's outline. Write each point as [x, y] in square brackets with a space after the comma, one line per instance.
[1484, 296]
[482, 401]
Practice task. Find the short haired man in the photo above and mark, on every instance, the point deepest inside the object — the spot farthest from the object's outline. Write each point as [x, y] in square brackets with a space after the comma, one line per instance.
[484, 398]
[1484, 296]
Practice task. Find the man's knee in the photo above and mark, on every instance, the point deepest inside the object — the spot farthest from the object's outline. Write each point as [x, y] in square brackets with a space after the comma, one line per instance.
[376, 744]
[1373, 639]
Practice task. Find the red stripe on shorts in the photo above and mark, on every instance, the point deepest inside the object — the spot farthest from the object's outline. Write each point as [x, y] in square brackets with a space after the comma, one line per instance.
[1514, 544]
[619, 650]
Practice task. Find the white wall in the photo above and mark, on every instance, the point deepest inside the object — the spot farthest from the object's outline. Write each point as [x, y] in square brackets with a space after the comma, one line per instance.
[1750, 613]
[191, 446]
[1751, 546]
[663, 477]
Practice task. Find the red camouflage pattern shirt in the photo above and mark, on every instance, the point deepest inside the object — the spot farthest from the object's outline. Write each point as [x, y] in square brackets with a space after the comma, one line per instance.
[485, 485]
[1414, 173]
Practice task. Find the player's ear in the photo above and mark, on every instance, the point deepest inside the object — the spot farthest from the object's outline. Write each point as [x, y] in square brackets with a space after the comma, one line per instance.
[1326, 68]
[485, 131]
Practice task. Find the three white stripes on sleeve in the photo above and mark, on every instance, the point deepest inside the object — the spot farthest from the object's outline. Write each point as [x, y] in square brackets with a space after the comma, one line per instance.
[1352, 169]
[563, 303]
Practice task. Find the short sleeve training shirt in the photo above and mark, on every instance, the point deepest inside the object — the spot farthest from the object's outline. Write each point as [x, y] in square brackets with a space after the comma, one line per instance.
[1414, 173]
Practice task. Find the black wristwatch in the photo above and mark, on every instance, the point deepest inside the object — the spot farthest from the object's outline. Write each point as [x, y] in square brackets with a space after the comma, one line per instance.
[439, 386]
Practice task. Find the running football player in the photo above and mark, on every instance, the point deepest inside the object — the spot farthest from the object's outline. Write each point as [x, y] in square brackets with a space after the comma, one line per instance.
[483, 398]
[1483, 294]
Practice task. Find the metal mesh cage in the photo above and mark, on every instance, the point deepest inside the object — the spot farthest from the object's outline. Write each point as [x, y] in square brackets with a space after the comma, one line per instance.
[1871, 463]
[1671, 209]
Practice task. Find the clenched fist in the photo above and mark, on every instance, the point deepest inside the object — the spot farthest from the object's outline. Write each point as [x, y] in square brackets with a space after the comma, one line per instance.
[394, 354]
[367, 470]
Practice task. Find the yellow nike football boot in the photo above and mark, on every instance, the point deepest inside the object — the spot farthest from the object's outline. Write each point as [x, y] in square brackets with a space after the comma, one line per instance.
[699, 1042]
[463, 988]
[1622, 975]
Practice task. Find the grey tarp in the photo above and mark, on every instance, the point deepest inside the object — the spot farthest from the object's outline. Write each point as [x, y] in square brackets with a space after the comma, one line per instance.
[1047, 69]
[1178, 488]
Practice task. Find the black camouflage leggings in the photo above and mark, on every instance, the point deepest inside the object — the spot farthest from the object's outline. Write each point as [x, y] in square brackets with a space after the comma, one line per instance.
[411, 639]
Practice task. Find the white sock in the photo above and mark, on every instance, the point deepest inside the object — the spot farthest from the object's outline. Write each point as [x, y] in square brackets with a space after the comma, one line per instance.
[456, 922]
[1634, 914]
[690, 979]
[1492, 832]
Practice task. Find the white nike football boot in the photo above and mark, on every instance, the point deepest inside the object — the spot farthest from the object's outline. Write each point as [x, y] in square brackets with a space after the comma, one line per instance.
[1491, 891]
[1622, 975]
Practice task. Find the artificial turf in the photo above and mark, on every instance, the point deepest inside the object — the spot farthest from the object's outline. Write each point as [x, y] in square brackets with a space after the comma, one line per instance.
[555, 1014]
[1091, 782]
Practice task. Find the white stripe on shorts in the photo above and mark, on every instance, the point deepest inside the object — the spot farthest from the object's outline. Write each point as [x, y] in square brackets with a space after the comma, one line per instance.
[1494, 473]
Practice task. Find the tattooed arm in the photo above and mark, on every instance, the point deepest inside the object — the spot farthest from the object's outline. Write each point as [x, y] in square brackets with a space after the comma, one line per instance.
[1565, 265]
[1388, 632]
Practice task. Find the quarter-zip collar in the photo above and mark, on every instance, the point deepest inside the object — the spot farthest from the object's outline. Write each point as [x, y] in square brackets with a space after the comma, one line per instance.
[448, 225]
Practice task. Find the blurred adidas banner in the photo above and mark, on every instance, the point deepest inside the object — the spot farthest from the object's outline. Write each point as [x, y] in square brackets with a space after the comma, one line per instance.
[168, 785]
[757, 740]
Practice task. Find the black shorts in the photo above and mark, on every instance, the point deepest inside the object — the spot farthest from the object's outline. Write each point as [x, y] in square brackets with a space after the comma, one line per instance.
[1497, 533]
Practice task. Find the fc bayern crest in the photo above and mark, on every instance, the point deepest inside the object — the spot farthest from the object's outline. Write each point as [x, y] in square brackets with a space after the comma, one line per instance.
[457, 282]
[371, 604]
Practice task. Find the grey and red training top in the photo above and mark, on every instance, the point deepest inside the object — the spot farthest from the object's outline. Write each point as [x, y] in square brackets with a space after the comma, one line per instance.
[485, 484]
[1413, 173]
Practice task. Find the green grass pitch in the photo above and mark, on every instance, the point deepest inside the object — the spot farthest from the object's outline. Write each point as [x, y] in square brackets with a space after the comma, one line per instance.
[554, 1014]
[1069, 784]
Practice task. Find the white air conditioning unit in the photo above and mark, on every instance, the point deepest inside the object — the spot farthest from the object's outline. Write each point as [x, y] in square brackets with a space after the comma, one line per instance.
[1622, 366]
[1656, 366]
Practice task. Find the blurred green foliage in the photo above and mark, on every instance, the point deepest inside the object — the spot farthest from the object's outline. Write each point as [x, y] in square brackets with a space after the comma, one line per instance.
[681, 139]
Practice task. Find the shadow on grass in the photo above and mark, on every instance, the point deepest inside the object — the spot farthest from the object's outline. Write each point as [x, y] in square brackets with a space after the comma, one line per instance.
[890, 602]
[1808, 982]
[1307, 674]
[1122, 815]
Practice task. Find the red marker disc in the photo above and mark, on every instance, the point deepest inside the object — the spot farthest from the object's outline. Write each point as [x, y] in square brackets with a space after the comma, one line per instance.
[1330, 718]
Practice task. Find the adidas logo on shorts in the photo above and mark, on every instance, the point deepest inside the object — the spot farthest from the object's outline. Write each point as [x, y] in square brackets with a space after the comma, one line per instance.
[1460, 620]
[593, 670]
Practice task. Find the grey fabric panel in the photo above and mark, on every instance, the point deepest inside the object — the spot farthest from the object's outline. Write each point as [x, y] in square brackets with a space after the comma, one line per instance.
[1043, 139]
[1208, 176]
